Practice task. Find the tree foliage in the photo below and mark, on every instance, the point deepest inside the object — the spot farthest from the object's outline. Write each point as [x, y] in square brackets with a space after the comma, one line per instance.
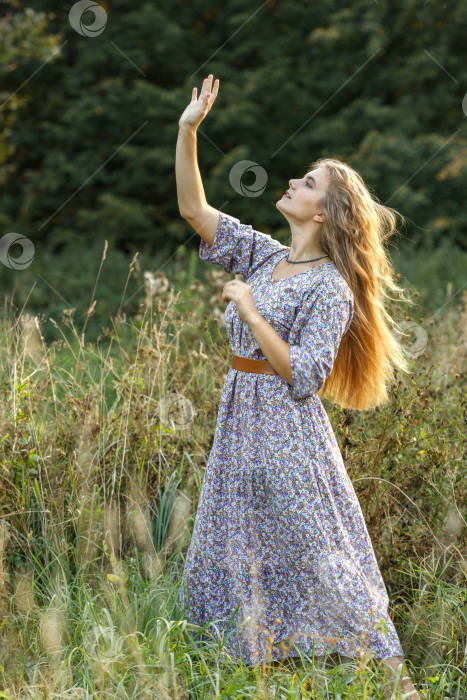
[89, 153]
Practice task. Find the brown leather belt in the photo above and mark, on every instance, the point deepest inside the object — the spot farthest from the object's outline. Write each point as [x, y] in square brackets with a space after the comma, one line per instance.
[245, 364]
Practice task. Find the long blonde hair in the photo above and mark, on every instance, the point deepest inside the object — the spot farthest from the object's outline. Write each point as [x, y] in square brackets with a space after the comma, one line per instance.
[353, 235]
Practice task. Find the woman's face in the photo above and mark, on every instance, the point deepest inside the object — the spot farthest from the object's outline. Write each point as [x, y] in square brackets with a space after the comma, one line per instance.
[305, 196]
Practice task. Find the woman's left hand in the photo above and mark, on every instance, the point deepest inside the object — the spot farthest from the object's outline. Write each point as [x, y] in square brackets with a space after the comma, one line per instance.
[240, 293]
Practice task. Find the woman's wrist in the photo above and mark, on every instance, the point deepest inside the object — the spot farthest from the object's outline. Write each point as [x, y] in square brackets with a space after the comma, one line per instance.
[189, 128]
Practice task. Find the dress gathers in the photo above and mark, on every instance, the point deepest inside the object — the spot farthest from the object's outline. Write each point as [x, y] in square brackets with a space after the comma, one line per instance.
[280, 557]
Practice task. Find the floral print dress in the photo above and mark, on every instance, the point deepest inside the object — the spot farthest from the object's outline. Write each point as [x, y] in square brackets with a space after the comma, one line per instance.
[280, 558]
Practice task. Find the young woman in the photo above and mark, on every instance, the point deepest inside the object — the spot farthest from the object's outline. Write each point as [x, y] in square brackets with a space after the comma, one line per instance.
[280, 554]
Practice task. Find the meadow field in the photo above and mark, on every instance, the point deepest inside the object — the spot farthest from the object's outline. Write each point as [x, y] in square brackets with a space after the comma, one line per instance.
[103, 446]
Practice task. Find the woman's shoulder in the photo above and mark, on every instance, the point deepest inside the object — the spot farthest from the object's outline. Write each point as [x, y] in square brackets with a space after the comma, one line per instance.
[237, 247]
[332, 283]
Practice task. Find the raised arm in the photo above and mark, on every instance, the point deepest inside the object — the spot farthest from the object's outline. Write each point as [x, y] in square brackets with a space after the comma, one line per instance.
[190, 192]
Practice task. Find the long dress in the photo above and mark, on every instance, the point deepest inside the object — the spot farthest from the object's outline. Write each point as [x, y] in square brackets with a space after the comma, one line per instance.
[280, 558]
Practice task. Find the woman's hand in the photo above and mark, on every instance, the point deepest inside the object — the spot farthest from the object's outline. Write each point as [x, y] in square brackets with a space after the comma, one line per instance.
[198, 108]
[240, 293]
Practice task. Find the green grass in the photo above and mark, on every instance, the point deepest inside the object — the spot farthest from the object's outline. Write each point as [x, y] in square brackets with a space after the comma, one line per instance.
[102, 452]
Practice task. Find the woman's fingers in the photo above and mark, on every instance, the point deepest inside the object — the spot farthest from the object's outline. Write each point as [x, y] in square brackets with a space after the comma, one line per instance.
[207, 91]
[199, 107]
[215, 90]
[212, 96]
[205, 88]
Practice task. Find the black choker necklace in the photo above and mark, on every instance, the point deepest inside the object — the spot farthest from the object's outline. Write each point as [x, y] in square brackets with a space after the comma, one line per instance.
[296, 262]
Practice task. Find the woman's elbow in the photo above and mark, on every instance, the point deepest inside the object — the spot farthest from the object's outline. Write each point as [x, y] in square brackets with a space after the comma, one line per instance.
[308, 375]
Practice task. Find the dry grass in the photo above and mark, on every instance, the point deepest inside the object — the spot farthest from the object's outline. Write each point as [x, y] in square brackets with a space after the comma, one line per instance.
[102, 451]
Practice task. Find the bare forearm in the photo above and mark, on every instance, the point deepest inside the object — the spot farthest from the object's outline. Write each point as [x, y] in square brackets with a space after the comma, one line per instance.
[276, 350]
[190, 191]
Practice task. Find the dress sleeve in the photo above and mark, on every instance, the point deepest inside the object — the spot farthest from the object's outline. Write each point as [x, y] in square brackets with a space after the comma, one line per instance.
[237, 247]
[318, 328]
